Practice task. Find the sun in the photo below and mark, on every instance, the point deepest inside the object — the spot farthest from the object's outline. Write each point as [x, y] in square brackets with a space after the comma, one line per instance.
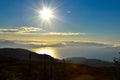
[46, 14]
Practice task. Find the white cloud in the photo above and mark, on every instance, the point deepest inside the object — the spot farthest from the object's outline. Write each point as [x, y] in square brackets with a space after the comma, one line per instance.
[37, 44]
[68, 48]
[38, 31]
[8, 30]
[21, 30]
[30, 29]
[63, 33]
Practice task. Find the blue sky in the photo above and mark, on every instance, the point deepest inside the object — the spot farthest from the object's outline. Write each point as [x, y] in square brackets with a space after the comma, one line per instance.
[90, 16]
[77, 20]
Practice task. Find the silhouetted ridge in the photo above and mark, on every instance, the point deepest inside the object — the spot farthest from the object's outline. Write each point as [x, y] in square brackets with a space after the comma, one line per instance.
[23, 54]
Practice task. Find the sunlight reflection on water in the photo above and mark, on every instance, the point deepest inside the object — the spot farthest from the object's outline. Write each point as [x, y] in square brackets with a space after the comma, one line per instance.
[47, 50]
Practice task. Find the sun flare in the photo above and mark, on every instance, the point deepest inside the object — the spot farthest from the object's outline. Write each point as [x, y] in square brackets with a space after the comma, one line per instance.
[46, 14]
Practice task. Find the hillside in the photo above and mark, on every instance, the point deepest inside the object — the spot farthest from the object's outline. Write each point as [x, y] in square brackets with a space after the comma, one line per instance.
[12, 68]
[23, 54]
[89, 62]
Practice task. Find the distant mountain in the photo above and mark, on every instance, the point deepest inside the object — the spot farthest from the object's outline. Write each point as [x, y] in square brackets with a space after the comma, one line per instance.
[89, 62]
[23, 54]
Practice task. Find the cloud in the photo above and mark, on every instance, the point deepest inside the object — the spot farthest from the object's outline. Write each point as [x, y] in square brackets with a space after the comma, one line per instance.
[27, 45]
[15, 44]
[38, 31]
[63, 33]
[78, 44]
[37, 44]
[87, 44]
[8, 30]
[30, 29]
[68, 48]
[21, 30]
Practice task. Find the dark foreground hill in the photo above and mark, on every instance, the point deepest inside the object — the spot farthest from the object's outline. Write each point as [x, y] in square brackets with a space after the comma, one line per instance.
[50, 70]
[12, 68]
[23, 54]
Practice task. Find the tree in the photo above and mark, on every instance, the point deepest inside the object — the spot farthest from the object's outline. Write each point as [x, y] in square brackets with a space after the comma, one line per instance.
[117, 60]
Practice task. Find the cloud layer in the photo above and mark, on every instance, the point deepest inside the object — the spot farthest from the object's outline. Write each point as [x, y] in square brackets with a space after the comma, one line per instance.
[68, 48]
[37, 44]
[21, 30]
[38, 31]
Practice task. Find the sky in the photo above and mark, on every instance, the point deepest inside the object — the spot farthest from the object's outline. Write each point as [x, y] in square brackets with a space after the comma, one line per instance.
[86, 27]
